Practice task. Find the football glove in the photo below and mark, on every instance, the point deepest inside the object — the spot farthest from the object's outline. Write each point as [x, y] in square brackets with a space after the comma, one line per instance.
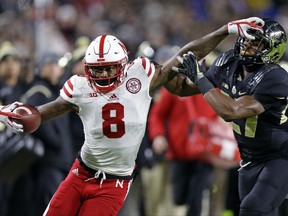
[190, 67]
[243, 26]
[195, 72]
[7, 116]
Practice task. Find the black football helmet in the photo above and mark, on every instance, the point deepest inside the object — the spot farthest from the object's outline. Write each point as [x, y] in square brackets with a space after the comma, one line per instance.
[274, 40]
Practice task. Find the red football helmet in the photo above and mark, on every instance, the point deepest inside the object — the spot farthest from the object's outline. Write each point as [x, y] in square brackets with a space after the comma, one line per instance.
[106, 52]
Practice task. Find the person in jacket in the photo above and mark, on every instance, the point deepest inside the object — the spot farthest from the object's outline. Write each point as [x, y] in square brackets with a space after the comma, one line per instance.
[170, 127]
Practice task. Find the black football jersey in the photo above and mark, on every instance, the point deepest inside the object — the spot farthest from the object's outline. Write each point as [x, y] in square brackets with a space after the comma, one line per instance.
[264, 136]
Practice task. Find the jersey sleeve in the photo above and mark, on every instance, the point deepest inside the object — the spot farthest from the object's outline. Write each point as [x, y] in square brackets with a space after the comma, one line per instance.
[70, 90]
[272, 91]
[143, 69]
[146, 65]
[274, 83]
[216, 70]
[211, 75]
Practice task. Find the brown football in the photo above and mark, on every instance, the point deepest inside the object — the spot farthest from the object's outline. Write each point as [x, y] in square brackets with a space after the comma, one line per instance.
[31, 118]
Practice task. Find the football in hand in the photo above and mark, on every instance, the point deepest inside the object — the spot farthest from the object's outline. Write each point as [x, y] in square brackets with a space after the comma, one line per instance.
[31, 118]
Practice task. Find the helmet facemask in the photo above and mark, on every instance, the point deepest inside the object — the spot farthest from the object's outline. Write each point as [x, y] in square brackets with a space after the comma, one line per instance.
[251, 52]
[271, 47]
[107, 83]
[105, 61]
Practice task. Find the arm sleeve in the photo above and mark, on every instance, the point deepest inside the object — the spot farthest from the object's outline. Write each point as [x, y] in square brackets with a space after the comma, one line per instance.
[68, 89]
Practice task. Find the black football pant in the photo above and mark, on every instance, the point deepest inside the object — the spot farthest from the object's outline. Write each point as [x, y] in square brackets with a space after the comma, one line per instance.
[263, 187]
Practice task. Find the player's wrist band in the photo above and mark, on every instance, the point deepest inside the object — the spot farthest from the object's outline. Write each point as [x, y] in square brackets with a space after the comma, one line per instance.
[204, 85]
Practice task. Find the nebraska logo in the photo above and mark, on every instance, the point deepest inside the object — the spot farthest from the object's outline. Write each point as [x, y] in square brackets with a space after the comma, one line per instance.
[133, 85]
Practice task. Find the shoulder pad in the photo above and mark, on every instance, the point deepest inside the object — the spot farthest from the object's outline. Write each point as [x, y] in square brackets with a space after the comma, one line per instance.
[143, 63]
[224, 58]
[259, 76]
[274, 66]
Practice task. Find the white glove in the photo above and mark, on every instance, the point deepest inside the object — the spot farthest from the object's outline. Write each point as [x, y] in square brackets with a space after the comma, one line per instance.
[7, 116]
[242, 27]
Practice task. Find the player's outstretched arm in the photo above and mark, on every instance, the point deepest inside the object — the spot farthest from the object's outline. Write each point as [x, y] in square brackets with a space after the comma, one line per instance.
[228, 108]
[201, 47]
[47, 111]
[55, 108]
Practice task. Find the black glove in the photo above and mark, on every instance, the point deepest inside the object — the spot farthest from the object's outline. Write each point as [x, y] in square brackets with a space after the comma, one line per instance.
[191, 67]
[195, 72]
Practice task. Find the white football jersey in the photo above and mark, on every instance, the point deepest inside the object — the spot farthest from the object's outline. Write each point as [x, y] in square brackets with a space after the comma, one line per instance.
[114, 123]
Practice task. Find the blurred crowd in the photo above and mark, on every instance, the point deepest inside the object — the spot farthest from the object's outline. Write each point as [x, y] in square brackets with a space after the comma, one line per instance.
[41, 26]
[42, 43]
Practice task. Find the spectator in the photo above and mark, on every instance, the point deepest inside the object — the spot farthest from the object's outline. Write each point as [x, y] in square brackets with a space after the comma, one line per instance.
[170, 127]
[173, 123]
[10, 65]
[52, 168]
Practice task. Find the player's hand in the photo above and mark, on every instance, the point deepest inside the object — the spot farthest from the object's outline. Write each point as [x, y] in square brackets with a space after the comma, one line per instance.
[190, 67]
[244, 26]
[7, 116]
[160, 144]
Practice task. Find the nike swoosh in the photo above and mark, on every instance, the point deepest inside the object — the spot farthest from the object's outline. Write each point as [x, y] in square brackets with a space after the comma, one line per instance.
[241, 93]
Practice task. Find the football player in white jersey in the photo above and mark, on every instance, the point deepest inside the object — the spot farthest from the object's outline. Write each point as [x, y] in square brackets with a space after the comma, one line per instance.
[113, 101]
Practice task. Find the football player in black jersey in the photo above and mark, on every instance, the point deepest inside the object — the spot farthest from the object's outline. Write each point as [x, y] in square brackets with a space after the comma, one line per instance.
[253, 96]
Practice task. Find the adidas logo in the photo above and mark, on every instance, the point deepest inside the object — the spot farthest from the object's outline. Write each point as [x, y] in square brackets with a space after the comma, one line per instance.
[75, 171]
[113, 97]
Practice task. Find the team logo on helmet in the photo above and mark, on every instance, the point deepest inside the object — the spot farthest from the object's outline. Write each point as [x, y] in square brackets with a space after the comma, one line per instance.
[133, 85]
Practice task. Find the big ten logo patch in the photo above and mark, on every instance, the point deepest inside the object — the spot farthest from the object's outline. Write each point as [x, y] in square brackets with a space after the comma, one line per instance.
[91, 95]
